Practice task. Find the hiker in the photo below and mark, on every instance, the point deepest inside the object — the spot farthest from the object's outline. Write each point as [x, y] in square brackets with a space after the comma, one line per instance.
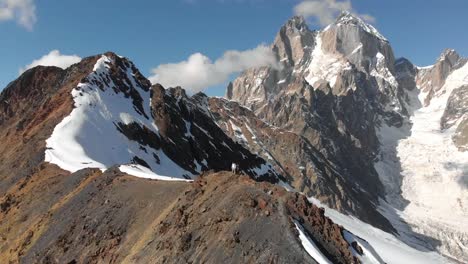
[234, 168]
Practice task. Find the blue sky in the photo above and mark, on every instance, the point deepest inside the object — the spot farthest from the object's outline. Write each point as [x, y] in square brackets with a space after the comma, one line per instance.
[151, 33]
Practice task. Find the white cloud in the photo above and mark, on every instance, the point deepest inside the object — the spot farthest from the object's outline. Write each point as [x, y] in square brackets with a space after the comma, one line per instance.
[325, 11]
[23, 11]
[54, 58]
[198, 72]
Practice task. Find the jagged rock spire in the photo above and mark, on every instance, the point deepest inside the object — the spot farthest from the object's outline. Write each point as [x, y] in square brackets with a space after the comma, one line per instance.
[292, 40]
[296, 23]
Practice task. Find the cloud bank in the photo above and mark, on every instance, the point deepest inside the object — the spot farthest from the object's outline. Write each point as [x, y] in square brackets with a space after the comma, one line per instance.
[23, 11]
[325, 11]
[54, 58]
[198, 72]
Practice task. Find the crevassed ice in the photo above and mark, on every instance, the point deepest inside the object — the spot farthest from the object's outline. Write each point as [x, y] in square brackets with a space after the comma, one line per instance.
[432, 169]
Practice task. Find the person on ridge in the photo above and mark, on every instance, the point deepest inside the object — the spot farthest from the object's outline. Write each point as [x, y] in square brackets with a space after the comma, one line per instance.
[234, 168]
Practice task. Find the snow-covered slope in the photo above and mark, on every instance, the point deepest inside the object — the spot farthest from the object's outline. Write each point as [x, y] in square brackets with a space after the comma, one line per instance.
[325, 66]
[379, 246]
[310, 246]
[89, 138]
[144, 172]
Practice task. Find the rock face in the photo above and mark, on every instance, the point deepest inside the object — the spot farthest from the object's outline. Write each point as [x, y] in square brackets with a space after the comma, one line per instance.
[432, 79]
[187, 132]
[345, 113]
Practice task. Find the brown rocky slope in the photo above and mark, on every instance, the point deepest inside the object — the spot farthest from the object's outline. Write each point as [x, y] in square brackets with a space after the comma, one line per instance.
[110, 217]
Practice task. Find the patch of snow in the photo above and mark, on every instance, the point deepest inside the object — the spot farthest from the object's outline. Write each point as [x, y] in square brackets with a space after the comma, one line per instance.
[268, 155]
[202, 130]
[258, 82]
[199, 165]
[325, 66]
[126, 118]
[188, 127]
[264, 168]
[238, 133]
[369, 255]
[226, 145]
[254, 137]
[425, 67]
[286, 186]
[358, 48]
[310, 246]
[381, 71]
[143, 172]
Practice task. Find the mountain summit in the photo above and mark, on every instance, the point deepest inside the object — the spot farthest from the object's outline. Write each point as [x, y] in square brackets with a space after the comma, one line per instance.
[347, 18]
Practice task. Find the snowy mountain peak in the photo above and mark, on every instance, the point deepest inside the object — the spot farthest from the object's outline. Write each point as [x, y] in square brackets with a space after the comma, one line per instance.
[449, 55]
[347, 18]
[113, 93]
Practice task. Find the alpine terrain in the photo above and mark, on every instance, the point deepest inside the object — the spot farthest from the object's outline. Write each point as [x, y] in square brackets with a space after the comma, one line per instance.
[345, 155]
[374, 136]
